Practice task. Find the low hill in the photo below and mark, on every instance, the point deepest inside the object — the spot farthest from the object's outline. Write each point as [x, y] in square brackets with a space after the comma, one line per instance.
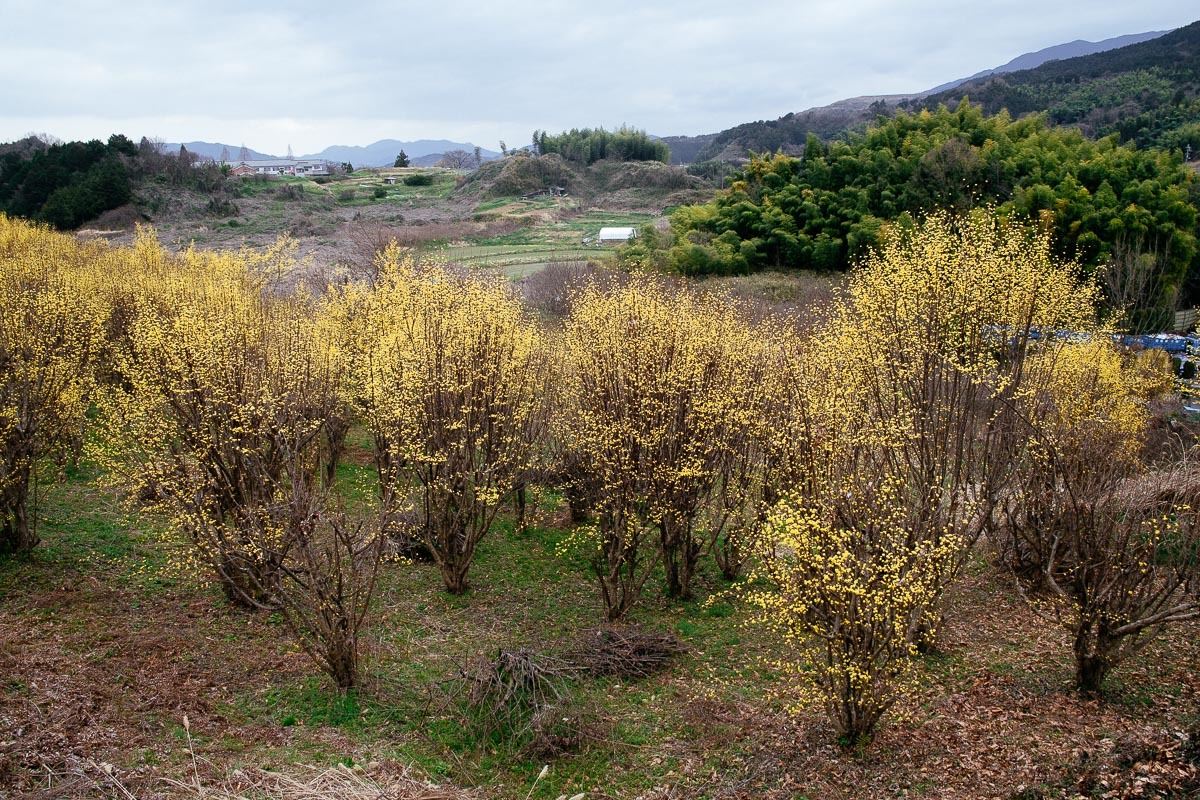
[684, 149]
[791, 131]
[1147, 92]
[425, 161]
[634, 185]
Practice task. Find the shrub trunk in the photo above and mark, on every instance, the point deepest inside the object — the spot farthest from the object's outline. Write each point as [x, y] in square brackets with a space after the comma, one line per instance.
[17, 534]
[681, 553]
[17, 530]
[1092, 656]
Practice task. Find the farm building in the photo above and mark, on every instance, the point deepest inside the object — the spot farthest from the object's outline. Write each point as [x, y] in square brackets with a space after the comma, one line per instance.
[616, 235]
[281, 166]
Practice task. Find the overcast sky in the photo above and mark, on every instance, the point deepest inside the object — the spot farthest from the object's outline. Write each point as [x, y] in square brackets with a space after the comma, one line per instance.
[309, 75]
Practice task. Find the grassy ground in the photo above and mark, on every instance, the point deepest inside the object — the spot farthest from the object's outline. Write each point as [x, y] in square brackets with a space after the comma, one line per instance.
[569, 227]
[112, 653]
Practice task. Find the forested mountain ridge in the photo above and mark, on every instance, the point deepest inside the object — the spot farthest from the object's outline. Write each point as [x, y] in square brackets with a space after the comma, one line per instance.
[1148, 93]
[1126, 100]
[1058, 52]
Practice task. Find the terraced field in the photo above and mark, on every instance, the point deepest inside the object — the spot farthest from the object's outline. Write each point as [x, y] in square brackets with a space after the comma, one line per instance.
[527, 255]
[553, 240]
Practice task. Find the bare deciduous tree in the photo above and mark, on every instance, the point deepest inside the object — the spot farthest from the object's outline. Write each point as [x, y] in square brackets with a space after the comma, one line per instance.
[457, 159]
[1136, 284]
[330, 566]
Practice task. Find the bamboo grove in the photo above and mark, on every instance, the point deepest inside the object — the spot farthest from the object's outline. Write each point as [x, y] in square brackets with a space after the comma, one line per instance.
[840, 470]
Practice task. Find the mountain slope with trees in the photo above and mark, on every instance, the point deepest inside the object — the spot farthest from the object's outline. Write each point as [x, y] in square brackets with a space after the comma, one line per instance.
[1148, 92]
[790, 132]
[1058, 52]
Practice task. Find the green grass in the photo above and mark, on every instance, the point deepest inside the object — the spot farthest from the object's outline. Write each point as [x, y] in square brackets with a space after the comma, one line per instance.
[514, 205]
[524, 592]
[569, 231]
[529, 588]
[492, 205]
[313, 703]
[84, 528]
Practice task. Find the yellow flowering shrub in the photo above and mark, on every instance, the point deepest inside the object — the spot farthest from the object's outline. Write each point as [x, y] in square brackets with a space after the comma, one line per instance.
[221, 398]
[452, 377]
[890, 445]
[1100, 543]
[658, 390]
[852, 591]
[50, 334]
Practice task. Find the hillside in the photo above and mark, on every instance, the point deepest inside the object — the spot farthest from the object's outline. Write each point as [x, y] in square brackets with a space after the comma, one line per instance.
[828, 209]
[684, 149]
[788, 133]
[1147, 92]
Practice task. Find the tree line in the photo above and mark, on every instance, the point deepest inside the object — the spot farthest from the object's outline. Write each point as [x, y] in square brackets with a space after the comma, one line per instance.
[66, 184]
[589, 145]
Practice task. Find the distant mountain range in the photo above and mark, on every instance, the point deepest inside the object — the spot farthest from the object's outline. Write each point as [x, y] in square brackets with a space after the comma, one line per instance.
[216, 151]
[383, 153]
[423, 152]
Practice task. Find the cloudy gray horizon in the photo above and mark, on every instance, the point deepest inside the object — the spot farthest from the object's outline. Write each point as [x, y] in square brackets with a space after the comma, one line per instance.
[310, 75]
